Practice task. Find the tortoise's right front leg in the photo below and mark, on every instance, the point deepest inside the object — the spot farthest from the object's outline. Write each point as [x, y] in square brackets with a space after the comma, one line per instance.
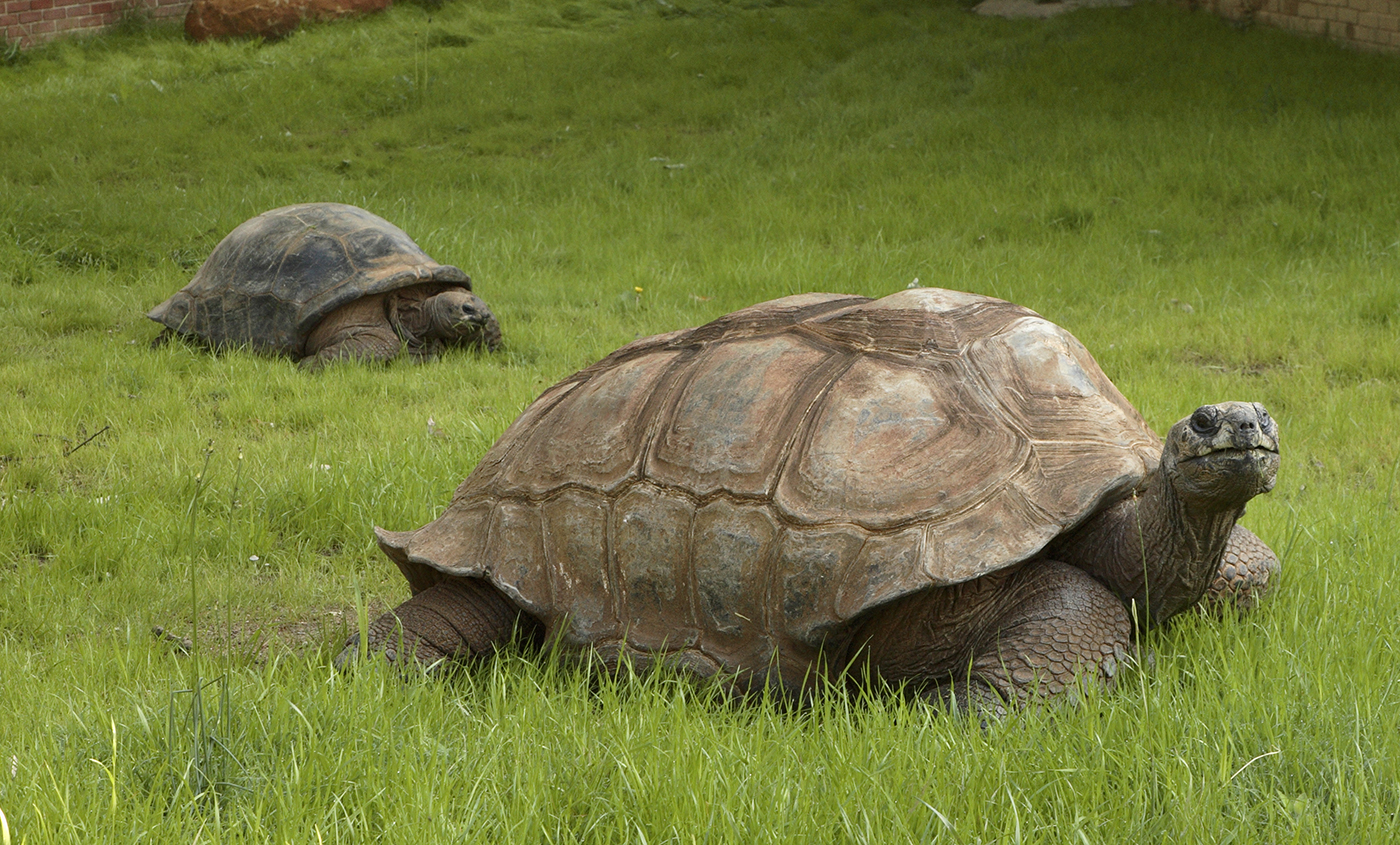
[455, 618]
[990, 643]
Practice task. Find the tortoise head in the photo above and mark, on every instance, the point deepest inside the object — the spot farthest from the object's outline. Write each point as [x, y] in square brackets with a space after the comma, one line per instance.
[1223, 455]
[459, 317]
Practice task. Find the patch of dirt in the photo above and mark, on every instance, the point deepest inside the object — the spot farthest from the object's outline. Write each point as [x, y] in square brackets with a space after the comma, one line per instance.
[1241, 368]
[255, 640]
[1032, 9]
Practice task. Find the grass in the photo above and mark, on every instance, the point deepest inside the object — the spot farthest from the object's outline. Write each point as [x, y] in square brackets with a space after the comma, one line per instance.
[1215, 213]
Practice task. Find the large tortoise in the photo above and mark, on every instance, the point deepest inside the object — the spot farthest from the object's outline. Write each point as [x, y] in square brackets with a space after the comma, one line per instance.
[935, 488]
[323, 282]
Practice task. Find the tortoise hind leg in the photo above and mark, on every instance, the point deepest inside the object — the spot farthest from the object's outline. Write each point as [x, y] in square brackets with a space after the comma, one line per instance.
[993, 642]
[453, 619]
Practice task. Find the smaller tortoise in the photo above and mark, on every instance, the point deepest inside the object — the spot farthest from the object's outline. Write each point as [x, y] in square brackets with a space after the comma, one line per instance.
[934, 489]
[324, 282]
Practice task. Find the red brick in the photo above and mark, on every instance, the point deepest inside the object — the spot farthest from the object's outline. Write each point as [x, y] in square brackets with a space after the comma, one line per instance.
[30, 17]
[8, 21]
[41, 4]
[17, 6]
[90, 22]
[55, 14]
[42, 26]
[102, 8]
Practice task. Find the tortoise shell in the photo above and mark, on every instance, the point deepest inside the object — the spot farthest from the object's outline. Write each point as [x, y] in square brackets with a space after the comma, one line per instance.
[275, 277]
[739, 492]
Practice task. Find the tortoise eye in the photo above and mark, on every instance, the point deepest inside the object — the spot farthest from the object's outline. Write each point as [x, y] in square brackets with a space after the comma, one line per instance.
[1203, 422]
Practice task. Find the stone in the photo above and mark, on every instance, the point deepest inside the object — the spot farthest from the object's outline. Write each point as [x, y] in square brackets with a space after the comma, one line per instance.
[208, 19]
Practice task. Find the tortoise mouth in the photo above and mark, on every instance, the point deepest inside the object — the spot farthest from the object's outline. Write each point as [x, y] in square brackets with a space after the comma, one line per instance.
[1230, 475]
[469, 328]
[1229, 452]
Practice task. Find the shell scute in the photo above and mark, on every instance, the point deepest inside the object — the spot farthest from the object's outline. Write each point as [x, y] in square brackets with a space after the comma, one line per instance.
[651, 545]
[515, 552]
[891, 443]
[767, 317]
[732, 543]
[575, 530]
[888, 565]
[809, 562]
[594, 435]
[919, 323]
[1048, 386]
[725, 429]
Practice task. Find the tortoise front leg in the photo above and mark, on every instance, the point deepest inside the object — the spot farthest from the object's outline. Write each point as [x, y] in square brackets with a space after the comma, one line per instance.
[455, 618]
[1245, 570]
[357, 344]
[359, 331]
[995, 641]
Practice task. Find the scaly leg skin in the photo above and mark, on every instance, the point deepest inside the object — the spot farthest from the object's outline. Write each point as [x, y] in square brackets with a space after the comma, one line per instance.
[455, 618]
[362, 344]
[990, 644]
[1245, 570]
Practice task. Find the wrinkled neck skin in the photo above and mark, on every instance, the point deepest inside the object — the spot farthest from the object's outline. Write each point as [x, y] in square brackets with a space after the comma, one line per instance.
[410, 317]
[1154, 550]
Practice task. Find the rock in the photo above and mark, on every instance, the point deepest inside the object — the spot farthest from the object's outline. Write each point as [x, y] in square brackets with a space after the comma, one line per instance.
[267, 18]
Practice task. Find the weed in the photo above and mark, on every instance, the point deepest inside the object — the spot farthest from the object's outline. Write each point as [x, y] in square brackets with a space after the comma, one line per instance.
[11, 52]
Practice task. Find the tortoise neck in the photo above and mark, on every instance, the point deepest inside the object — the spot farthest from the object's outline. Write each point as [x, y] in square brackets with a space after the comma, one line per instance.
[411, 318]
[1154, 550]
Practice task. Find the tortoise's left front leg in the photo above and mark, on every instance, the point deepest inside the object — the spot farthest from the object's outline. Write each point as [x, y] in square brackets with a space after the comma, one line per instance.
[359, 331]
[992, 642]
[1245, 571]
[360, 344]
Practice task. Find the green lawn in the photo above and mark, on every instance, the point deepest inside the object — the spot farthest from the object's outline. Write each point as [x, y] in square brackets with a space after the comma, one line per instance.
[1214, 212]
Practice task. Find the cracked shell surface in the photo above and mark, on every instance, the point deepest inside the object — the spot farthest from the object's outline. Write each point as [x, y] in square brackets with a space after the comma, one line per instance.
[742, 490]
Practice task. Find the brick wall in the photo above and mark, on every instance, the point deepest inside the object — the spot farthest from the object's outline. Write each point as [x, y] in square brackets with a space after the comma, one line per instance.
[1367, 24]
[1373, 24]
[31, 22]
